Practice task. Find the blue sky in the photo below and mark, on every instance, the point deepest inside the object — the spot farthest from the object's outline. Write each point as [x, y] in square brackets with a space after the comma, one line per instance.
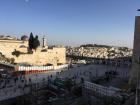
[71, 22]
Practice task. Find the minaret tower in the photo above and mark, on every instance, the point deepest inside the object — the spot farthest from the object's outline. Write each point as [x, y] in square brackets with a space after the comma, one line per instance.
[44, 42]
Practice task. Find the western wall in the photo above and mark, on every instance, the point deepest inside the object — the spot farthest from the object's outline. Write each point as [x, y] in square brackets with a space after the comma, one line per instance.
[42, 56]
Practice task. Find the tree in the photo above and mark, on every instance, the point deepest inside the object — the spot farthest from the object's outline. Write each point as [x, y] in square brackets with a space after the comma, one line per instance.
[36, 43]
[31, 41]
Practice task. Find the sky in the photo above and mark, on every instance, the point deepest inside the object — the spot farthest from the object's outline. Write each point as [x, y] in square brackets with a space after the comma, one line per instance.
[71, 22]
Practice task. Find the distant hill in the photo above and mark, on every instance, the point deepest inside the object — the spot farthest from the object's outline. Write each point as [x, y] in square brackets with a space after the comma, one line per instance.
[100, 46]
[95, 45]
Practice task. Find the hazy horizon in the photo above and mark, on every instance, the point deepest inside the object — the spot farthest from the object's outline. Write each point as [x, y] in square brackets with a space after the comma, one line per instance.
[71, 22]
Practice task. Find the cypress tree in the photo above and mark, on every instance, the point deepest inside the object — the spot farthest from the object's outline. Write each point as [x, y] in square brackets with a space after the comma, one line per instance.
[31, 41]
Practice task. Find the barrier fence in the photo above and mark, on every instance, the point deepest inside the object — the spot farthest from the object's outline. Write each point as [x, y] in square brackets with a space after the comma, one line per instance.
[99, 89]
[40, 68]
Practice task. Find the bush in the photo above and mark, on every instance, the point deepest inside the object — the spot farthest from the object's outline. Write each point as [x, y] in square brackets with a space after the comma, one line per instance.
[44, 50]
[16, 53]
[12, 60]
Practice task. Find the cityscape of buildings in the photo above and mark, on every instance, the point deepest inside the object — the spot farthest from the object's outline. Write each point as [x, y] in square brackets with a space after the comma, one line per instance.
[35, 72]
[106, 52]
[85, 74]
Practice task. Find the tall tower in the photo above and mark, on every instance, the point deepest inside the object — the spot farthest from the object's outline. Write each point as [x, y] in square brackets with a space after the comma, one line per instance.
[44, 42]
[135, 72]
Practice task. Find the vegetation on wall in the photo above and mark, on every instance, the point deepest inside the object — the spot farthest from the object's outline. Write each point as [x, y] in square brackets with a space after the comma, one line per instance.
[5, 59]
[44, 50]
[16, 53]
[12, 60]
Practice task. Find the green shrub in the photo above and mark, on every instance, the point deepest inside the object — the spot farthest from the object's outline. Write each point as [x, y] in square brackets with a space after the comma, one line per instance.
[16, 53]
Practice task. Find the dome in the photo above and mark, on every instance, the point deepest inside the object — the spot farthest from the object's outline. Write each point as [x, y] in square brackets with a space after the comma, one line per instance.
[24, 38]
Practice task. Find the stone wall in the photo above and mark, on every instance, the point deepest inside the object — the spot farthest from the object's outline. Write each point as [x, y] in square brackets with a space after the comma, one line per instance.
[52, 56]
[8, 46]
